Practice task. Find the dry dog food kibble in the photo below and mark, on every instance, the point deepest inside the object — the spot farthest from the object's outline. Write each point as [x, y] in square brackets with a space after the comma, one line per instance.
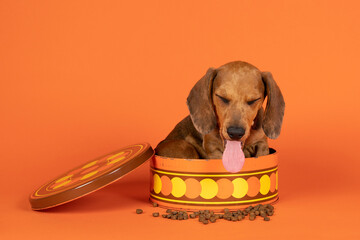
[155, 204]
[208, 216]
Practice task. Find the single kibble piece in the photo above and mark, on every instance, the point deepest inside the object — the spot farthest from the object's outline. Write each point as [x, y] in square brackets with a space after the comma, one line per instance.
[266, 219]
[205, 222]
[192, 215]
[252, 218]
[169, 216]
[212, 219]
[168, 210]
[155, 214]
[173, 217]
[164, 215]
[155, 204]
[226, 210]
[263, 214]
[139, 211]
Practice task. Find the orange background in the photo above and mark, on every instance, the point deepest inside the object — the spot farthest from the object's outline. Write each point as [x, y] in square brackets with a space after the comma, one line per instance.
[80, 79]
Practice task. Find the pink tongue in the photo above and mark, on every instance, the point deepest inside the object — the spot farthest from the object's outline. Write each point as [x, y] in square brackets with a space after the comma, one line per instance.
[233, 157]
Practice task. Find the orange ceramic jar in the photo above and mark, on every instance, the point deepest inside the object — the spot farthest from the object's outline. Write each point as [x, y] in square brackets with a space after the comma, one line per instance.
[205, 184]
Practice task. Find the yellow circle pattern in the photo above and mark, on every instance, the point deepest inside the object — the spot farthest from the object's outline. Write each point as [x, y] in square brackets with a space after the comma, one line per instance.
[157, 183]
[241, 187]
[115, 155]
[90, 164]
[64, 178]
[62, 184]
[115, 160]
[264, 184]
[90, 174]
[209, 188]
[178, 187]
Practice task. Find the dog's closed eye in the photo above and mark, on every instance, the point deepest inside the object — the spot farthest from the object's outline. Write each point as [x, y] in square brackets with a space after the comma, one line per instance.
[253, 101]
[225, 100]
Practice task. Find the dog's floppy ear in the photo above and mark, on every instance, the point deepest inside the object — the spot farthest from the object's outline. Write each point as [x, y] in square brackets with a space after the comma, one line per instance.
[200, 104]
[258, 121]
[275, 107]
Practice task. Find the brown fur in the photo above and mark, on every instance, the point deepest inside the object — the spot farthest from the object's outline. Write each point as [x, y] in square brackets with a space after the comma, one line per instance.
[202, 134]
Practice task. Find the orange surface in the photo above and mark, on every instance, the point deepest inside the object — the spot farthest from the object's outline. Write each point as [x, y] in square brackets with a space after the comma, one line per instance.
[80, 79]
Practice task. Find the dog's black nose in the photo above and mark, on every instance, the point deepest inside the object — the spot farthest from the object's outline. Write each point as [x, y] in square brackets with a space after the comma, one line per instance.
[235, 133]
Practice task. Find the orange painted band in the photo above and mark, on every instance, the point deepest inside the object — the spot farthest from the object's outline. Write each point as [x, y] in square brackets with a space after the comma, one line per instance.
[211, 165]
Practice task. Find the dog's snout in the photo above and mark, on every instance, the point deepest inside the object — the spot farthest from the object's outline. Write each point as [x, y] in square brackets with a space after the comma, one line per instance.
[235, 133]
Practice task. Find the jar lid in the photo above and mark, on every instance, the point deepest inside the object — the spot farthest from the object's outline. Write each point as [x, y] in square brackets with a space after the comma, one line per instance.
[90, 176]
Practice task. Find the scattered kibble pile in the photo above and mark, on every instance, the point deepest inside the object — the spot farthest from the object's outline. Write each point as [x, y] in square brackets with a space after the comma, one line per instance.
[208, 216]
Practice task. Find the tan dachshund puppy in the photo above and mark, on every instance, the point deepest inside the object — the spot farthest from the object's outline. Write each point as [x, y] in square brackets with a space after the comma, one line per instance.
[226, 105]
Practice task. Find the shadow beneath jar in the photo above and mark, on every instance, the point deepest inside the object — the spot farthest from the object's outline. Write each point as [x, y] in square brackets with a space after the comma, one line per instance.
[118, 195]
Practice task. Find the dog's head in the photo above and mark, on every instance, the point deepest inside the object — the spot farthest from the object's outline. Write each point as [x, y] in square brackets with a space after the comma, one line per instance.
[231, 98]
